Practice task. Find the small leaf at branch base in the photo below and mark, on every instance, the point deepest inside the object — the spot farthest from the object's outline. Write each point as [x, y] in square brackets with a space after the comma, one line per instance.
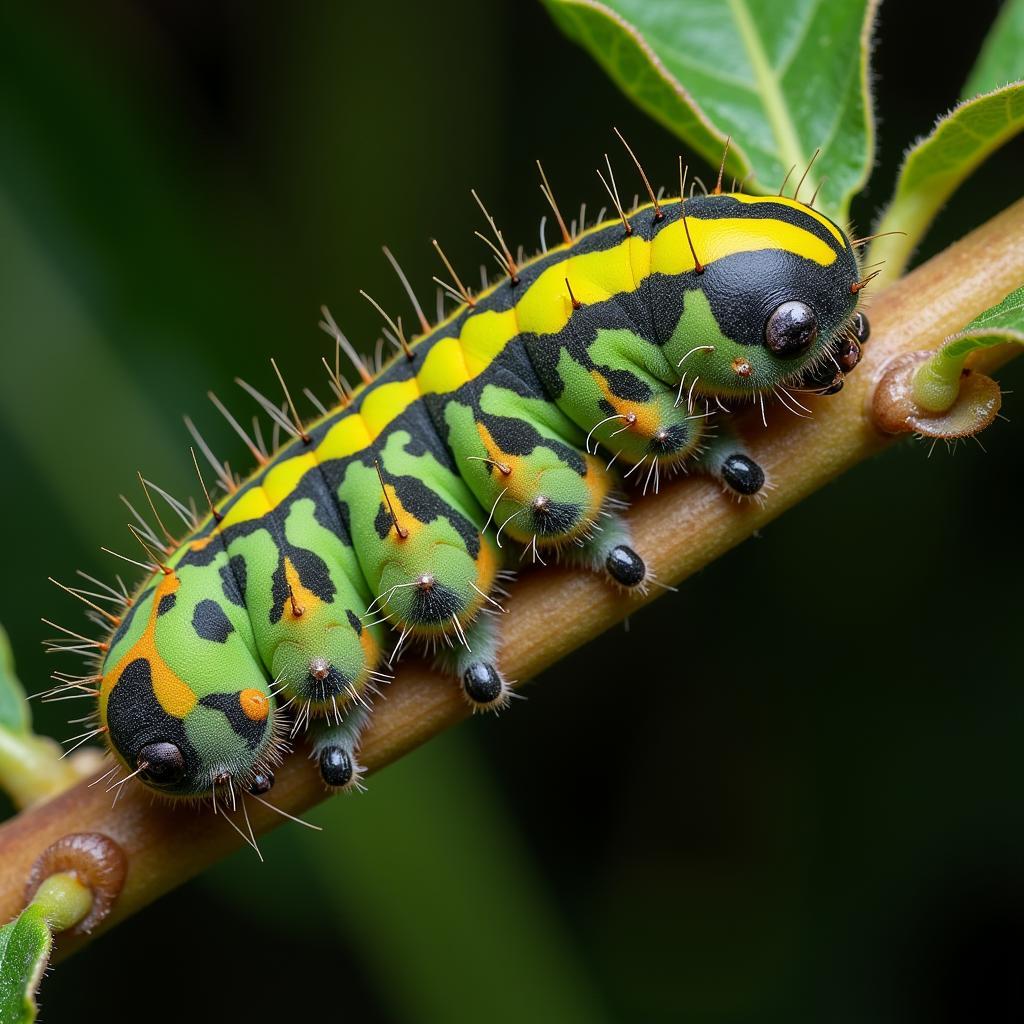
[937, 383]
[935, 394]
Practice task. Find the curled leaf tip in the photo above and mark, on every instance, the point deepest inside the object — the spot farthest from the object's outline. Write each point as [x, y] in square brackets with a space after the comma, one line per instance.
[972, 406]
[935, 393]
[95, 860]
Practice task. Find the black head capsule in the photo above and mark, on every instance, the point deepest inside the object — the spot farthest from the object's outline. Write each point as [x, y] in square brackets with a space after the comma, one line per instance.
[791, 329]
[625, 566]
[161, 764]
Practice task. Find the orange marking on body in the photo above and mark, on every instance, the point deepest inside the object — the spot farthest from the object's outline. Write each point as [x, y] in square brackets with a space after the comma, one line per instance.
[302, 599]
[598, 480]
[256, 705]
[522, 482]
[174, 695]
[644, 420]
[488, 562]
[411, 526]
[371, 649]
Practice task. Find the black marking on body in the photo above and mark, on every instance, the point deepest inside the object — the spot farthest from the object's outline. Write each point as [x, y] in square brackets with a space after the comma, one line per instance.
[626, 385]
[322, 689]
[383, 521]
[313, 574]
[233, 578]
[518, 436]
[210, 622]
[623, 312]
[126, 622]
[434, 605]
[230, 704]
[555, 518]
[425, 505]
[167, 602]
[136, 719]
[670, 439]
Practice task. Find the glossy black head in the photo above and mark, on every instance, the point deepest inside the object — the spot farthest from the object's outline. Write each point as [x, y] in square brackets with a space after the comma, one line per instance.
[778, 290]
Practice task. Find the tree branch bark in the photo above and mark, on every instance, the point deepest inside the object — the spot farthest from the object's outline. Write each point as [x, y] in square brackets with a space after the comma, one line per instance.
[557, 610]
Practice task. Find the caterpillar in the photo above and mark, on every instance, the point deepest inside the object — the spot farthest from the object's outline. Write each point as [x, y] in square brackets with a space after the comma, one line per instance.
[513, 424]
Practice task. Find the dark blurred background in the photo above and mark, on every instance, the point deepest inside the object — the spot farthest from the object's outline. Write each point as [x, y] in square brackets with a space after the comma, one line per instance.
[830, 829]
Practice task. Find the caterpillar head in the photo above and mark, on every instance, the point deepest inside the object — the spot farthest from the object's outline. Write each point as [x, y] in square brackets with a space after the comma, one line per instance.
[774, 300]
[186, 705]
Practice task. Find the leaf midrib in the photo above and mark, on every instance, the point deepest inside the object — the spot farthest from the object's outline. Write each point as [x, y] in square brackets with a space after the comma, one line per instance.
[775, 106]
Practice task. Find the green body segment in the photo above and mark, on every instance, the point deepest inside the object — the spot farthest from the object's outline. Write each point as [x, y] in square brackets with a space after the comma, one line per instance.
[191, 624]
[503, 425]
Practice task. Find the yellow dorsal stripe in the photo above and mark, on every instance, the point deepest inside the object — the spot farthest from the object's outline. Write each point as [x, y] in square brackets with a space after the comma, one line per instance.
[800, 208]
[544, 308]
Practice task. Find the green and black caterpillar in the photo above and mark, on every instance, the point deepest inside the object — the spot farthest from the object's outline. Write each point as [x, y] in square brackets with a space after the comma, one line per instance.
[508, 428]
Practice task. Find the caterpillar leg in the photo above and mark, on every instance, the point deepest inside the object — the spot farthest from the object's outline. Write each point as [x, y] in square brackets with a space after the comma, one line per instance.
[335, 749]
[727, 460]
[475, 666]
[609, 551]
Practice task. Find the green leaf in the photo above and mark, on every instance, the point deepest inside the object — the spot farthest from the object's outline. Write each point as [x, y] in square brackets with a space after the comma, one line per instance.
[783, 79]
[24, 952]
[937, 382]
[1002, 56]
[934, 167]
[13, 706]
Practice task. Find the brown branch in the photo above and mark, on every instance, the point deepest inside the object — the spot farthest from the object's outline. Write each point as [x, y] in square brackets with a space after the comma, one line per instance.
[556, 610]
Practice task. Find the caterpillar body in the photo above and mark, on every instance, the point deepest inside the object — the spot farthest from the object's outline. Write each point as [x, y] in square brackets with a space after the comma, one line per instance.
[504, 426]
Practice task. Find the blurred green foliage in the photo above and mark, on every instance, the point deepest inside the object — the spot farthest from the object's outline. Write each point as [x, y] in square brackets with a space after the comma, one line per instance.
[791, 792]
